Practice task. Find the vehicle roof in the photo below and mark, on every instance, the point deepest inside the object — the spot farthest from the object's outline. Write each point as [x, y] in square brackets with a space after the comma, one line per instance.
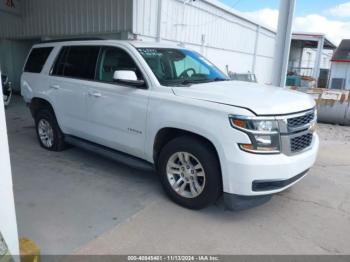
[140, 44]
[134, 43]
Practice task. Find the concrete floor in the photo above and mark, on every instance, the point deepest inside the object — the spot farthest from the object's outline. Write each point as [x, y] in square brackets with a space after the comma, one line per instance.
[76, 202]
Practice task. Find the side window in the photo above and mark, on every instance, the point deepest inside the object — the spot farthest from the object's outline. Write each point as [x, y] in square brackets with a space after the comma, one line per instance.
[113, 59]
[77, 62]
[37, 59]
[59, 64]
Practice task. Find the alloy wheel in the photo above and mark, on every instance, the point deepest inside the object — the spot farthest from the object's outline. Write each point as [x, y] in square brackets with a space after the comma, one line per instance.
[46, 134]
[186, 174]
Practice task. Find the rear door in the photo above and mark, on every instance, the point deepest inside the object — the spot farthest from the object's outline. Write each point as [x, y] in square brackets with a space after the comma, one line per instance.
[72, 77]
[33, 78]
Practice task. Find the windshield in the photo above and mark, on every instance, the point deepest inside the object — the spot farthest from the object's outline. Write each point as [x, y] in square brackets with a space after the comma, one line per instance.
[180, 66]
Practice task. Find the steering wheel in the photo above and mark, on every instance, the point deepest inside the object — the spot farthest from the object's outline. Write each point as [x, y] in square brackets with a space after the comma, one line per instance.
[184, 74]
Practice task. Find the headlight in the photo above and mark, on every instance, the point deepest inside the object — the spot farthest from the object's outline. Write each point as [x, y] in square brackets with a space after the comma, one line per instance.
[263, 133]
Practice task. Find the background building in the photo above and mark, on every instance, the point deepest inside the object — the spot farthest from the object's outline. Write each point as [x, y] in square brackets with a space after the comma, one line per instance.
[340, 72]
[208, 26]
[310, 56]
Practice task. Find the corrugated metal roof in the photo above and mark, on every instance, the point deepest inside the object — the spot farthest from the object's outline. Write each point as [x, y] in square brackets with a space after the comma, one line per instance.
[309, 42]
[342, 54]
[51, 18]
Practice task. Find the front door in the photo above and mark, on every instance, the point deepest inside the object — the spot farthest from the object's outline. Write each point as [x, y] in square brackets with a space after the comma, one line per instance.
[117, 113]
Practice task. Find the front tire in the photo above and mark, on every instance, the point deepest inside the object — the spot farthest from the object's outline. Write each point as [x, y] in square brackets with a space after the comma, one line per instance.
[48, 132]
[190, 172]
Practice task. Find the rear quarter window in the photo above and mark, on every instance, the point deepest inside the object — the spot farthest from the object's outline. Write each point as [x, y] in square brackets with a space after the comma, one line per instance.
[37, 59]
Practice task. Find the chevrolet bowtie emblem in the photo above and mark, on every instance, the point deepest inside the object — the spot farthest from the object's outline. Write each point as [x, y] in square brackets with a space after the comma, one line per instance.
[313, 127]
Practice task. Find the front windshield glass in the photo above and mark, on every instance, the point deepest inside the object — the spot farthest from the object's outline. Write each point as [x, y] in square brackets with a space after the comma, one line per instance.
[180, 66]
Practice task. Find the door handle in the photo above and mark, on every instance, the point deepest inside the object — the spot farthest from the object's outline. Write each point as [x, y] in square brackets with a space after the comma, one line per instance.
[55, 87]
[95, 94]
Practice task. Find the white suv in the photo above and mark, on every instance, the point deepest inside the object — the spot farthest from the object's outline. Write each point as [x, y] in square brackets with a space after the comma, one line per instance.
[168, 107]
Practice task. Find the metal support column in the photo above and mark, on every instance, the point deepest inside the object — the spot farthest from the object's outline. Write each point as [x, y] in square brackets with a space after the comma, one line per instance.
[8, 223]
[301, 55]
[159, 22]
[318, 59]
[283, 41]
[256, 46]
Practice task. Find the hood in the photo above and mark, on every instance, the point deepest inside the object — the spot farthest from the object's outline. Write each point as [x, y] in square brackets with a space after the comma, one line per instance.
[261, 99]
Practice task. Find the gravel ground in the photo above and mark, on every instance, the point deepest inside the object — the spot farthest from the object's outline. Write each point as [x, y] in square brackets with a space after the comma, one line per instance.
[334, 134]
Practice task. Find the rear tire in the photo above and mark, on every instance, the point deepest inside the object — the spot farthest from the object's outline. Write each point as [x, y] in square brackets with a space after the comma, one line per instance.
[190, 172]
[48, 132]
[7, 97]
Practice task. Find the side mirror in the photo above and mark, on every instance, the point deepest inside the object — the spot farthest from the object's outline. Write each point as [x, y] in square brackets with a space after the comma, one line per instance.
[128, 77]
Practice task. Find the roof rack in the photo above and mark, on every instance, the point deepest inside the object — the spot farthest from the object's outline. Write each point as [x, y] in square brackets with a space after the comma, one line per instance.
[71, 39]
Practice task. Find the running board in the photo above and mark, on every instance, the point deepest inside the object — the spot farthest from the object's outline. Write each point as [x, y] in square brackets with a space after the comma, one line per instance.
[117, 156]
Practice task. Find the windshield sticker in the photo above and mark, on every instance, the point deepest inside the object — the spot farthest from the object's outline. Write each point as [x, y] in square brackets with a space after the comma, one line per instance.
[148, 51]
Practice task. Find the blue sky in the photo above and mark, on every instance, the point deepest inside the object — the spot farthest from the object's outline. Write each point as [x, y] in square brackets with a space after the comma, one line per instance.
[303, 7]
[330, 17]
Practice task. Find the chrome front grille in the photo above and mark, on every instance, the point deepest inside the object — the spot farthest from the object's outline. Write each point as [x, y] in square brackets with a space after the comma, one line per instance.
[300, 121]
[299, 143]
[296, 132]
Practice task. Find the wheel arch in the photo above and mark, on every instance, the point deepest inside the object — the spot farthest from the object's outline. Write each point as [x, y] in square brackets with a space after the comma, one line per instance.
[38, 103]
[166, 134]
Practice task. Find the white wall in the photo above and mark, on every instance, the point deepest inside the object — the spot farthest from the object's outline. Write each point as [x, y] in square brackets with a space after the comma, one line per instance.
[309, 58]
[12, 56]
[341, 70]
[228, 38]
[8, 224]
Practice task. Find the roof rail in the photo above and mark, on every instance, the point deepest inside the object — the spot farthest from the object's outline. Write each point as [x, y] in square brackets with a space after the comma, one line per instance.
[71, 39]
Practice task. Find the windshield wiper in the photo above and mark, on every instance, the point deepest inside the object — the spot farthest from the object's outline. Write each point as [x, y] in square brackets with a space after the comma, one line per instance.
[198, 81]
[187, 82]
[220, 79]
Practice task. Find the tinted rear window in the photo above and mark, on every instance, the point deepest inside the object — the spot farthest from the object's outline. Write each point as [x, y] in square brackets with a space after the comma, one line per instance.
[37, 59]
[77, 62]
[60, 61]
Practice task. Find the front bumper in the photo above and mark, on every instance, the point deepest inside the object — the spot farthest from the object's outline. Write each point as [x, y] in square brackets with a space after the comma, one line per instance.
[236, 202]
[268, 185]
[252, 175]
